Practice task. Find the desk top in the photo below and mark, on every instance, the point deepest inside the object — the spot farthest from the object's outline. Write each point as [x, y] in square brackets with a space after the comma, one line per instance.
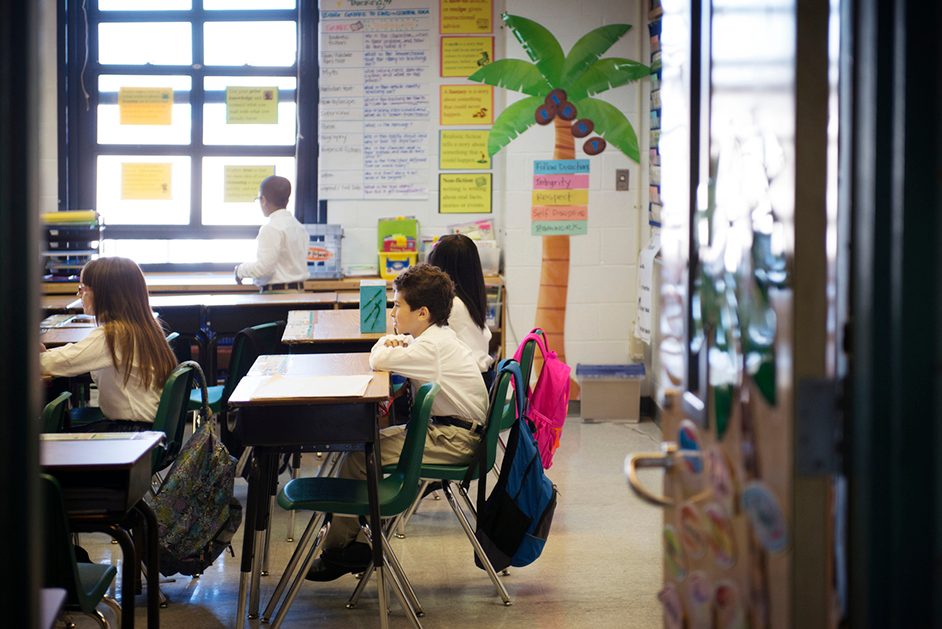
[60, 302]
[327, 326]
[56, 337]
[61, 452]
[307, 365]
[238, 299]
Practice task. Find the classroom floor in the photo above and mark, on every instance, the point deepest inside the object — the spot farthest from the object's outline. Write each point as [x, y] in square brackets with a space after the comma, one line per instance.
[601, 566]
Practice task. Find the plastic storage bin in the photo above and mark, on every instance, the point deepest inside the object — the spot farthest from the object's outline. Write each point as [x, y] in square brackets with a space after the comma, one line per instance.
[323, 251]
[392, 264]
[611, 391]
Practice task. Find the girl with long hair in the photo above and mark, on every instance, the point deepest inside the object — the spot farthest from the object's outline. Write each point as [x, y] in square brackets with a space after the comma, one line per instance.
[127, 355]
[457, 255]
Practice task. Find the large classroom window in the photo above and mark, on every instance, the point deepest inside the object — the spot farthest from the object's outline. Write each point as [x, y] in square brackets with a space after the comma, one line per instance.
[172, 111]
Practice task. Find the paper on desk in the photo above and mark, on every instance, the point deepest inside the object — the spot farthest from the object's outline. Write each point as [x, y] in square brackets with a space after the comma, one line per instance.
[279, 386]
[99, 436]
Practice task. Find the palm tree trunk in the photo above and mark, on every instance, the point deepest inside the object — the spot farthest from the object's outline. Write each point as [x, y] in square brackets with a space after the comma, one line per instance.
[554, 271]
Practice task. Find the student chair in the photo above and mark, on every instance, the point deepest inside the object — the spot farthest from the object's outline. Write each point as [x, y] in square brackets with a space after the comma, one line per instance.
[326, 496]
[451, 477]
[85, 584]
[55, 413]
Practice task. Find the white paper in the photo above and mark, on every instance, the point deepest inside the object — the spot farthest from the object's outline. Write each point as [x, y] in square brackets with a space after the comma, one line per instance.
[645, 283]
[290, 387]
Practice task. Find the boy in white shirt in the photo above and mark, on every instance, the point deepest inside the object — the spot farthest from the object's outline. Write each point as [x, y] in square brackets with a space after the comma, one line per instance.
[281, 260]
[424, 350]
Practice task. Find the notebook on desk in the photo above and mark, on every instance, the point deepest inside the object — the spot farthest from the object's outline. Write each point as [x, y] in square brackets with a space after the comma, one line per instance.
[100, 436]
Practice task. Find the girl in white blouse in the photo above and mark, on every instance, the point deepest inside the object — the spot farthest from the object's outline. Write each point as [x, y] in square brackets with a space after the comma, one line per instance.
[127, 355]
[457, 255]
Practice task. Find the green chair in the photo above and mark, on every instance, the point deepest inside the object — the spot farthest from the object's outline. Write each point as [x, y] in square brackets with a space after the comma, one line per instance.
[171, 414]
[451, 476]
[526, 368]
[85, 584]
[248, 344]
[53, 418]
[326, 496]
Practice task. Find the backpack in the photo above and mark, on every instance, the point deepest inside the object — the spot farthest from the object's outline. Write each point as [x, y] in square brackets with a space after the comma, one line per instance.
[514, 522]
[197, 513]
[548, 403]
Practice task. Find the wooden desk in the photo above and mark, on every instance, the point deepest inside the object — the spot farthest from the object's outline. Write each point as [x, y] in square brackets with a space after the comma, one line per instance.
[329, 331]
[51, 601]
[60, 303]
[57, 336]
[103, 483]
[351, 299]
[323, 424]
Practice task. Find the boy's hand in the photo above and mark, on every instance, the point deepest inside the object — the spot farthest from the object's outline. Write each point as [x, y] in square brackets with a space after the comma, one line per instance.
[235, 272]
[396, 343]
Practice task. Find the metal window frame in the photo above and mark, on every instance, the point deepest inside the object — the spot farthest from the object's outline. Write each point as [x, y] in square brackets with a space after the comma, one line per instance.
[78, 132]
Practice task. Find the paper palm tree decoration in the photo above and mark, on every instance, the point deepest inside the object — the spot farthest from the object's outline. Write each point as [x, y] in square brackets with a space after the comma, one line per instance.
[560, 89]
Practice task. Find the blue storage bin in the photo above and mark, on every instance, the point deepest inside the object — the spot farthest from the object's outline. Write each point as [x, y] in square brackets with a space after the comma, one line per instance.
[323, 251]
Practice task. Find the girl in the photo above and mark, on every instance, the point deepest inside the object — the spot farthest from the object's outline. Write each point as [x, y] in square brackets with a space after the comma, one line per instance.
[457, 255]
[127, 355]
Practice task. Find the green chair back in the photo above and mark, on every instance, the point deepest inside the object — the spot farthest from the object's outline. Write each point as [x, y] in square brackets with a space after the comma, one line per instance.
[249, 344]
[406, 474]
[84, 585]
[55, 412]
[171, 414]
[526, 367]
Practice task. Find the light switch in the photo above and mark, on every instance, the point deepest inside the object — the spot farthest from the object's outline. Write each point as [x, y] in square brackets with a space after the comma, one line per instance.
[621, 179]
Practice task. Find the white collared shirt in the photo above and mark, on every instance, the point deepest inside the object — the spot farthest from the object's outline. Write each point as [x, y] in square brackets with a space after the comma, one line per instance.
[437, 356]
[477, 340]
[281, 256]
[116, 399]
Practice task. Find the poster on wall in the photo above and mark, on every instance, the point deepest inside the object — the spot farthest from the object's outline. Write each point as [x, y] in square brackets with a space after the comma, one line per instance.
[377, 68]
[240, 183]
[463, 149]
[462, 56]
[464, 193]
[560, 197]
[145, 181]
[466, 16]
[145, 105]
[251, 105]
[466, 105]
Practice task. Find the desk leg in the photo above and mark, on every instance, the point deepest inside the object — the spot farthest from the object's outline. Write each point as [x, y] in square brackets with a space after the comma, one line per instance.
[153, 566]
[128, 574]
[248, 537]
[376, 526]
[268, 464]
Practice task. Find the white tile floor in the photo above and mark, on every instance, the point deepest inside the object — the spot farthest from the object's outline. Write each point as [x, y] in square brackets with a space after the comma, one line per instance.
[601, 566]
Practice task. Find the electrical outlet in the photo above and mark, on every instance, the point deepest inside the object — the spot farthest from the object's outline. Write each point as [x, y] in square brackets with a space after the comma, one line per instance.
[621, 179]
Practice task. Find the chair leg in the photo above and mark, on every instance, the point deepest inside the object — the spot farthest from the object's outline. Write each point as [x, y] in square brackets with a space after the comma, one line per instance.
[299, 576]
[469, 532]
[316, 524]
[243, 460]
[365, 576]
[114, 607]
[404, 582]
[404, 518]
[470, 505]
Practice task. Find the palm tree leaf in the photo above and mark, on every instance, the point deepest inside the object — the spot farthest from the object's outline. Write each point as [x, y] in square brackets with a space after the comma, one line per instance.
[513, 74]
[511, 122]
[611, 124]
[539, 44]
[605, 74]
[590, 47]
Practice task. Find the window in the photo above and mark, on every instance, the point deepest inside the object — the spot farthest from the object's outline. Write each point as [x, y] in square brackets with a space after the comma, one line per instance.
[174, 110]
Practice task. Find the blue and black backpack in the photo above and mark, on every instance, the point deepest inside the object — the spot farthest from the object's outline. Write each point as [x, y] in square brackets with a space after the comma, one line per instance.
[514, 522]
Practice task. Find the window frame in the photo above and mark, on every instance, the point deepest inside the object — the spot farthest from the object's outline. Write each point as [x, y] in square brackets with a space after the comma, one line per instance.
[78, 120]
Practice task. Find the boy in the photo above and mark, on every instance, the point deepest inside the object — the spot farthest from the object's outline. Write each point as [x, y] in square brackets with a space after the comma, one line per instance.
[424, 350]
[281, 259]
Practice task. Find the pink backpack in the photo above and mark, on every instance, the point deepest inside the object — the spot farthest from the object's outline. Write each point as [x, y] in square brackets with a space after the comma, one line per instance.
[548, 402]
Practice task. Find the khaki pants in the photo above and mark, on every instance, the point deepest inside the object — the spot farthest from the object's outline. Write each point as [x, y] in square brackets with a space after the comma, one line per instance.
[444, 445]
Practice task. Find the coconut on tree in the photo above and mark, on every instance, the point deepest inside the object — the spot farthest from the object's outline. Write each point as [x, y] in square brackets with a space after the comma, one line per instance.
[560, 90]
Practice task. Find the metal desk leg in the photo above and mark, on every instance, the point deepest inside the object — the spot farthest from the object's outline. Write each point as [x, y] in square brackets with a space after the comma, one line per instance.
[248, 538]
[376, 527]
[268, 470]
[152, 555]
[128, 574]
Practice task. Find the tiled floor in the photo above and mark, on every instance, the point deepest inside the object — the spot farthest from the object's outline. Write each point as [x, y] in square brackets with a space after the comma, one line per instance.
[601, 566]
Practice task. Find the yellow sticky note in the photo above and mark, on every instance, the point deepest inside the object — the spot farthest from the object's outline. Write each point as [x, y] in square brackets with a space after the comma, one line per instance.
[466, 104]
[463, 150]
[241, 182]
[145, 182]
[145, 105]
[466, 16]
[251, 105]
[464, 193]
[561, 197]
[462, 56]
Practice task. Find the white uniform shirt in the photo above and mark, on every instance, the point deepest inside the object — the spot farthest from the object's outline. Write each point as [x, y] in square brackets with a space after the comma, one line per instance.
[437, 356]
[477, 340]
[91, 355]
[282, 251]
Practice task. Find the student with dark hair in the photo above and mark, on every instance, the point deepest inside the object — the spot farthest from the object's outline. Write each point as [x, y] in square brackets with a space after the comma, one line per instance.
[281, 258]
[457, 255]
[424, 349]
[127, 355]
